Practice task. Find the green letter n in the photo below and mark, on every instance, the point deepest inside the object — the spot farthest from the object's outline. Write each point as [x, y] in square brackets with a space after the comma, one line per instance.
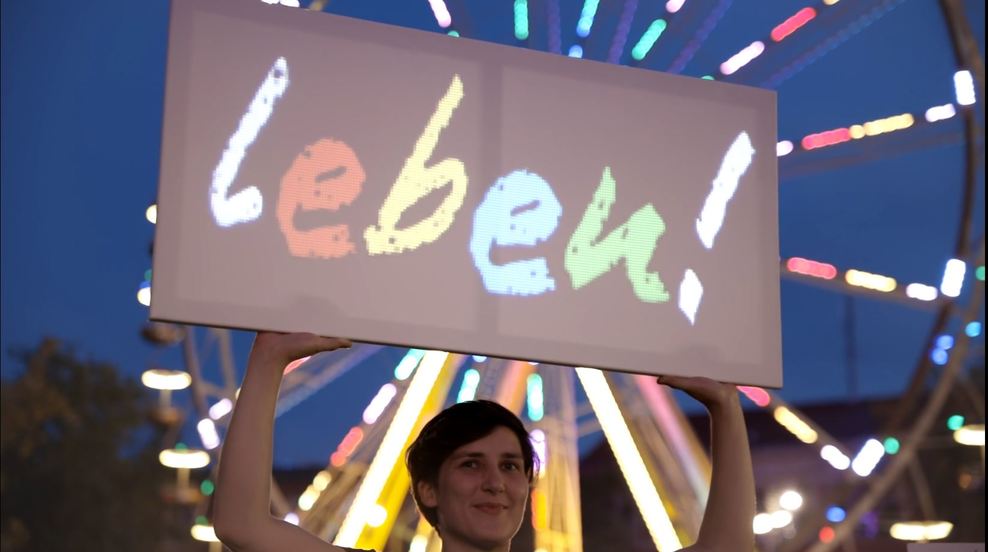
[587, 258]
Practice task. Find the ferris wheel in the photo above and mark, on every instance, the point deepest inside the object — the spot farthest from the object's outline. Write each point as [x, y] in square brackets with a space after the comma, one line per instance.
[361, 496]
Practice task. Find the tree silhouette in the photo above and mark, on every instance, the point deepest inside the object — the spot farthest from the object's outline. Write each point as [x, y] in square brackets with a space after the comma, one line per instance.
[79, 460]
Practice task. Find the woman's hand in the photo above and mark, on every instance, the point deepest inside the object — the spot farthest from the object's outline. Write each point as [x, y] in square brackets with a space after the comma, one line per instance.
[709, 392]
[282, 348]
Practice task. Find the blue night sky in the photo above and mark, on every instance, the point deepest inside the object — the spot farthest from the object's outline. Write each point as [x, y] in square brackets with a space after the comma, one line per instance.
[82, 94]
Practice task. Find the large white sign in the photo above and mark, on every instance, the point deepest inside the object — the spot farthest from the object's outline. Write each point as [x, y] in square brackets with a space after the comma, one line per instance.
[347, 178]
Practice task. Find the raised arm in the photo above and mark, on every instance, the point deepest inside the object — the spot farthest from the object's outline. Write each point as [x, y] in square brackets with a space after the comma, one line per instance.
[242, 503]
[727, 521]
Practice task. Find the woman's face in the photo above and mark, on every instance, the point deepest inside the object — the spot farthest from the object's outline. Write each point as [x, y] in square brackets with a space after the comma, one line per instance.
[481, 493]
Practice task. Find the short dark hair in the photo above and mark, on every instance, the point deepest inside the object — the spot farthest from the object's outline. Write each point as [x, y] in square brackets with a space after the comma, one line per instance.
[452, 428]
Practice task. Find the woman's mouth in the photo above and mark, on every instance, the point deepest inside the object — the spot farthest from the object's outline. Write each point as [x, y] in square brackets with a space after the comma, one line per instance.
[490, 509]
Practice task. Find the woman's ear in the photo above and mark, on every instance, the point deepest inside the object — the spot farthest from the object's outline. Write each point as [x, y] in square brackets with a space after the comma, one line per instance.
[427, 494]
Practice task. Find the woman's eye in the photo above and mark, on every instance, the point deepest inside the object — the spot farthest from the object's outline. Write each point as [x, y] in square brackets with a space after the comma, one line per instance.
[512, 467]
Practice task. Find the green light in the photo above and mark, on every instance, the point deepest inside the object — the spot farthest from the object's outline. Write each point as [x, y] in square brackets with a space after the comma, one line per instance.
[648, 39]
[955, 422]
[535, 398]
[980, 273]
[521, 19]
[181, 446]
[147, 275]
[891, 445]
[707, 77]
[453, 33]
[202, 520]
[207, 487]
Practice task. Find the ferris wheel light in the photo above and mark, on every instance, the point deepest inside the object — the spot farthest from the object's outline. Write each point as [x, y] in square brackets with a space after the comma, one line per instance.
[204, 533]
[379, 403]
[964, 88]
[789, 420]
[376, 516]
[868, 457]
[208, 434]
[322, 480]
[742, 58]
[221, 408]
[940, 113]
[972, 435]
[868, 280]
[152, 213]
[441, 12]
[807, 267]
[835, 457]
[762, 523]
[308, 499]
[643, 491]
[921, 530]
[783, 148]
[391, 447]
[953, 278]
[161, 379]
[184, 458]
[780, 519]
[468, 389]
[673, 6]
[144, 294]
[419, 544]
[922, 292]
[793, 24]
[791, 500]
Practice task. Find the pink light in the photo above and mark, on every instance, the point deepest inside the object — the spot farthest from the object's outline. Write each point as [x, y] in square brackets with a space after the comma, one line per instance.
[350, 442]
[743, 57]
[379, 403]
[337, 459]
[826, 138]
[811, 268]
[757, 395]
[295, 364]
[673, 6]
[791, 25]
[441, 12]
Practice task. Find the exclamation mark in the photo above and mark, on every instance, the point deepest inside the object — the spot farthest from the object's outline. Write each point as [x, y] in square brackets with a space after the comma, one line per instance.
[735, 163]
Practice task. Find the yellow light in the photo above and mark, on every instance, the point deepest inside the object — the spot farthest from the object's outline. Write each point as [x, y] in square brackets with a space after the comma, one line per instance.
[308, 499]
[618, 436]
[857, 131]
[152, 213]
[921, 530]
[204, 533]
[322, 480]
[377, 516]
[184, 458]
[868, 280]
[540, 510]
[830, 2]
[161, 379]
[795, 425]
[391, 448]
[972, 435]
[888, 124]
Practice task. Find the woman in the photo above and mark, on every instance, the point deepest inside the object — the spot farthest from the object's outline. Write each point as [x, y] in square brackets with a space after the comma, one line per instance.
[471, 467]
